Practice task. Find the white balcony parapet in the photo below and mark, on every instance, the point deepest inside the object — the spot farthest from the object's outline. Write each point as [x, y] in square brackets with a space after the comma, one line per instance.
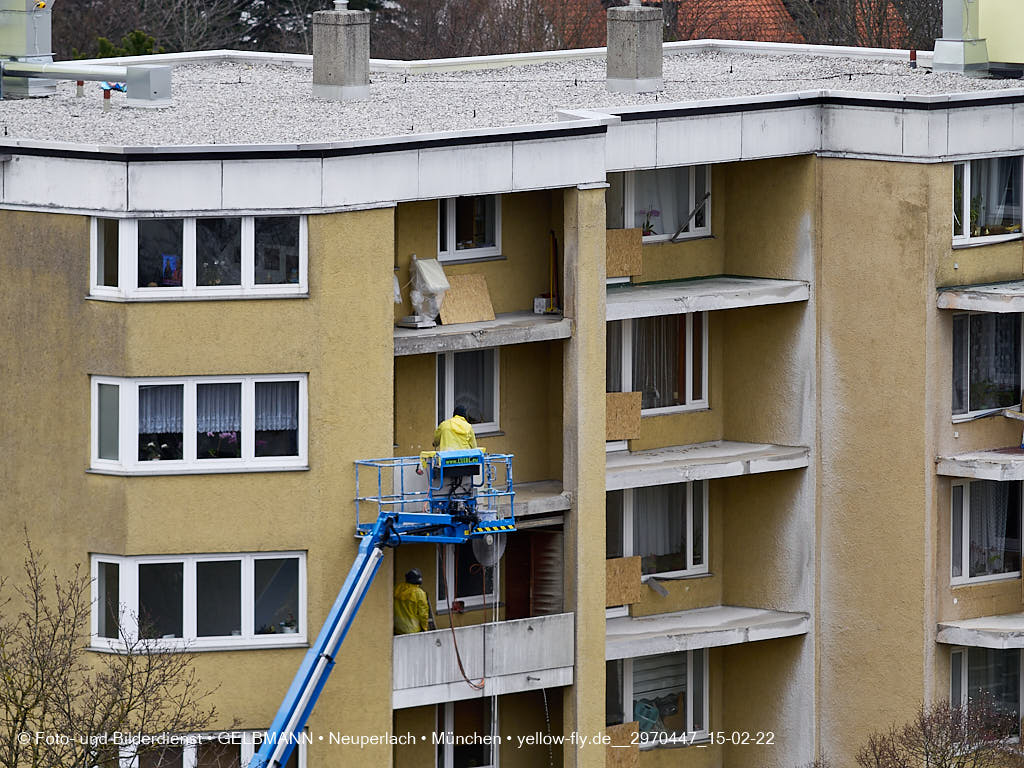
[703, 294]
[1002, 464]
[985, 297]
[504, 329]
[510, 656]
[1005, 631]
[629, 636]
[701, 461]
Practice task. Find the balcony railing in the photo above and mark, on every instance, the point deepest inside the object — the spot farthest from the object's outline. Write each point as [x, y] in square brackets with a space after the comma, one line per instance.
[509, 656]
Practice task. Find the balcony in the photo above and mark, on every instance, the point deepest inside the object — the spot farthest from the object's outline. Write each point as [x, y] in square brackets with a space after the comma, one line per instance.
[701, 295]
[511, 656]
[504, 329]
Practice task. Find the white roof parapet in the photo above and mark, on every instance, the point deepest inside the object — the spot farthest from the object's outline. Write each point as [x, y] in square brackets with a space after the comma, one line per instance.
[679, 297]
[1002, 464]
[1006, 631]
[631, 636]
[702, 461]
[504, 329]
[986, 297]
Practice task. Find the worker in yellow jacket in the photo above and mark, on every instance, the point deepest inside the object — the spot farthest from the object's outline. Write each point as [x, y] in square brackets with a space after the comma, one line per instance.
[412, 611]
[455, 433]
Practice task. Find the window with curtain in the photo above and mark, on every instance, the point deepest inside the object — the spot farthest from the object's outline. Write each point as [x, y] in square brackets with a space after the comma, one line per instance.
[986, 529]
[986, 361]
[987, 197]
[469, 379]
[664, 358]
[195, 423]
[986, 672]
[666, 694]
[660, 202]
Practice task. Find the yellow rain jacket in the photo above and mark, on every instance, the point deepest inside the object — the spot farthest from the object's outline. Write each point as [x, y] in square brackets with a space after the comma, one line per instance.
[411, 611]
[454, 434]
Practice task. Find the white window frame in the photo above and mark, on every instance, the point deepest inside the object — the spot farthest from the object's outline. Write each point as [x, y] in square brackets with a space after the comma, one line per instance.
[970, 415]
[961, 651]
[691, 735]
[447, 398]
[627, 367]
[128, 601]
[628, 500]
[453, 254]
[964, 236]
[190, 742]
[629, 205]
[128, 264]
[443, 604]
[448, 747]
[965, 541]
[128, 434]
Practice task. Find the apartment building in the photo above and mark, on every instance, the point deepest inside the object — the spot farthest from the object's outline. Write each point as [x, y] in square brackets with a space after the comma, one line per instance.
[765, 503]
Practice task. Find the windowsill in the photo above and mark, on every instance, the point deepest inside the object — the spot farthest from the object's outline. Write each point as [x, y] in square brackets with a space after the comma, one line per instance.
[695, 408]
[676, 576]
[683, 238]
[214, 297]
[974, 242]
[233, 470]
[611, 446]
[489, 433]
[193, 647]
[438, 611]
[981, 580]
[960, 418]
[488, 255]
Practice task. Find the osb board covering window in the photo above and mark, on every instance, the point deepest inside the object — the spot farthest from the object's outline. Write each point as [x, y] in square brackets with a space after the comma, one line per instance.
[467, 301]
[622, 736]
[624, 586]
[622, 415]
[624, 252]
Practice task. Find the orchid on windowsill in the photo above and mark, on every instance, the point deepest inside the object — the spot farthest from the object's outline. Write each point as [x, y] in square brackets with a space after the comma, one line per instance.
[648, 226]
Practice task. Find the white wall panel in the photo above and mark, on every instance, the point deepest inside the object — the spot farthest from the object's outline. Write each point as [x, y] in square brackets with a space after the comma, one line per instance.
[362, 179]
[176, 186]
[705, 139]
[66, 183]
[470, 170]
[272, 183]
[632, 145]
[549, 163]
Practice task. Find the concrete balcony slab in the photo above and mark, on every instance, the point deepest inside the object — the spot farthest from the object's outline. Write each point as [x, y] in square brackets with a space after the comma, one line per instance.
[505, 329]
[706, 293]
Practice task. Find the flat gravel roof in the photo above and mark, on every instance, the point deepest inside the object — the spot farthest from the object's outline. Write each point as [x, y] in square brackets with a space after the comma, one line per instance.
[222, 102]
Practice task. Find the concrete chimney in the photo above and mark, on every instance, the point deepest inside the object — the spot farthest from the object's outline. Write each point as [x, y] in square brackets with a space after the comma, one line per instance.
[634, 48]
[960, 49]
[341, 54]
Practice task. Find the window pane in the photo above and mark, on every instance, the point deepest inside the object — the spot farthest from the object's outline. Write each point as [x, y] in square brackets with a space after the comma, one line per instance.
[475, 222]
[219, 598]
[659, 527]
[700, 188]
[956, 660]
[995, 527]
[276, 590]
[277, 418]
[960, 368]
[106, 252]
[442, 225]
[212, 754]
[277, 249]
[218, 251]
[160, 253]
[614, 197]
[107, 600]
[613, 714]
[995, 196]
[474, 385]
[442, 392]
[996, 673]
[994, 360]
[957, 532]
[471, 718]
[467, 578]
[160, 600]
[659, 360]
[613, 524]
[160, 419]
[659, 693]
[613, 357]
[958, 200]
[697, 356]
[165, 757]
[662, 200]
[697, 699]
[109, 421]
[219, 421]
[697, 539]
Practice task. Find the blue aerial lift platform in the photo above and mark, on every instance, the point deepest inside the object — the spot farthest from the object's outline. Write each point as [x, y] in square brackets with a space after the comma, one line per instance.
[468, 494]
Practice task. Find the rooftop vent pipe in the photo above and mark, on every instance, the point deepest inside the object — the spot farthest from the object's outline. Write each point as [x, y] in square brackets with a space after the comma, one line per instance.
[960, 49]
[341, 53]
[634, 48]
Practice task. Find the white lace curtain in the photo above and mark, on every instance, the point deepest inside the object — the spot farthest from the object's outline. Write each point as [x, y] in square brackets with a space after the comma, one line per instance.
[160, 409]
[661, 200]
[277, 405]
[659, 520]
[989, 508]
[995, 185]
[218, 407]
[657, 359]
